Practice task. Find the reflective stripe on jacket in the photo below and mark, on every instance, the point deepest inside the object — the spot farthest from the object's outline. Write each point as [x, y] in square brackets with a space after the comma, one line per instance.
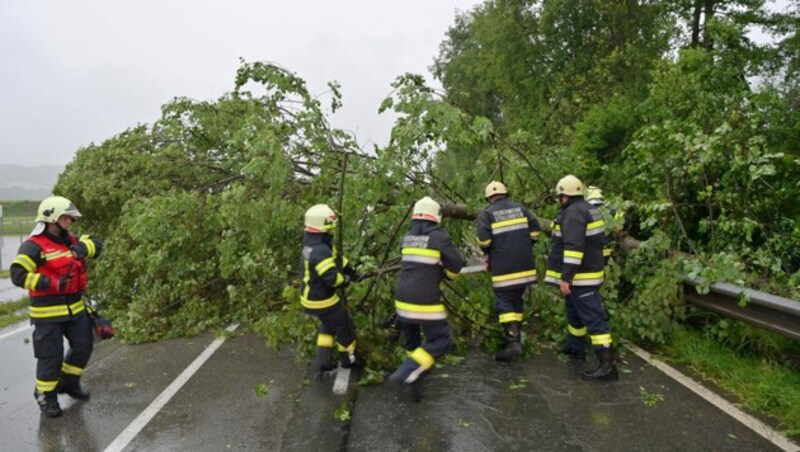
[576, 251]
[507, 232]
[428, 256]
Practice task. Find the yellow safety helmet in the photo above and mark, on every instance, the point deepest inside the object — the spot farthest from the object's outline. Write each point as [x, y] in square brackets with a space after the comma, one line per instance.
[570, 185]
[320, 219]
[427, 209]
[495, 188]
[51, 209]
[594, 193]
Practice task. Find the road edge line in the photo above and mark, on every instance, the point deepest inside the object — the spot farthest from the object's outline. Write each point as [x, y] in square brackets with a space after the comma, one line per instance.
[11, 333]
[144, 418]
[747, 420]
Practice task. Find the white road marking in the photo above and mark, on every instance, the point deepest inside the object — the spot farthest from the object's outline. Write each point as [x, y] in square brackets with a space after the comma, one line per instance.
[133, 429]
[18, 330]
[752, 423]
[342, 378]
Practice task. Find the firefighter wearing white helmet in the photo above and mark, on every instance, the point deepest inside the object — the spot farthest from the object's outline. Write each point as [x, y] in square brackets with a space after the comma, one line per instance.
[52, 265]
[594, 196]
[507, 233]
[428, 257]
[575, 265]
[320, 277]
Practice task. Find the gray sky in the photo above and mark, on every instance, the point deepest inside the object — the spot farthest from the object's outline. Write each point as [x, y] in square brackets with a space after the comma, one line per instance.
[80, 71]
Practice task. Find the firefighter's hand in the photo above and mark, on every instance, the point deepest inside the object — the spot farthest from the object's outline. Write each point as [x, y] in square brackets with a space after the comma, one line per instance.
[60, 284]
[347, 279]
[564, 286]
[486, 264]
[79, 250]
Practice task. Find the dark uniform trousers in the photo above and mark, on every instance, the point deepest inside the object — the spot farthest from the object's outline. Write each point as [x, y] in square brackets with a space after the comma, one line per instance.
[437, 337]
[509, 301]
[585, 314]
[335, 322]
[48, 347]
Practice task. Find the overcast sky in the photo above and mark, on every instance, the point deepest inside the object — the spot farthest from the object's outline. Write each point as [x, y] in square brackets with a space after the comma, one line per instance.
[80, 71]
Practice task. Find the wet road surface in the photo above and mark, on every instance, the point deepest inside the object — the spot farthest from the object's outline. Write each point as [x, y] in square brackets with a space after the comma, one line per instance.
[476, 405]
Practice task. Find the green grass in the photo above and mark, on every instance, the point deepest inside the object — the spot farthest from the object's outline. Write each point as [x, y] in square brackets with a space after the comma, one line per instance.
[762, 385]
[8, 312]
[17, 225]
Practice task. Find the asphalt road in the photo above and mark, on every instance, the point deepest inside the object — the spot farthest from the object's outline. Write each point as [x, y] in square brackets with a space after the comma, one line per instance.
[160, 396]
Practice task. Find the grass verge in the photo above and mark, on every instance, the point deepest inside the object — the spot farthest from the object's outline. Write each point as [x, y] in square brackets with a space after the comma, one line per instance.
[5, 274]
[8, 312]
[762, 385]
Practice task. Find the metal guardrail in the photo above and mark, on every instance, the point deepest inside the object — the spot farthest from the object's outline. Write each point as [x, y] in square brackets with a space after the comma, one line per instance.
[777, 314]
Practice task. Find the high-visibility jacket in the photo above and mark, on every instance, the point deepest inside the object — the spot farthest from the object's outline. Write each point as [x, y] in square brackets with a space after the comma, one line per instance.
[576, 251]
[41, 262]
[428, 256]
[506, 232]
[319, 273]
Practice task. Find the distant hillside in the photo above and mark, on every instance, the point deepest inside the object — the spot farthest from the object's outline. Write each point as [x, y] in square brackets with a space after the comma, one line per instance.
[27, 183]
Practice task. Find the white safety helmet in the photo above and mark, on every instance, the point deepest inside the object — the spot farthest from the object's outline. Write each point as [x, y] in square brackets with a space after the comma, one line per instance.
[495, 188]
[570, 185]
[427, 209]
[594, 195]
[51, 209]
[320, 219]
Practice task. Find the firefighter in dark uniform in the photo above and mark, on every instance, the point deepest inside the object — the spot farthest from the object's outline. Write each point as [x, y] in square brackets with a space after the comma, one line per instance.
[506, 232]
[575, 265]
[51, 265]
[428, 256]
[594, 196]
[320, 276]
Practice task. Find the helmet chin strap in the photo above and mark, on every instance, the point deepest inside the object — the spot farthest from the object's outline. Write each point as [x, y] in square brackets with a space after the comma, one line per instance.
[61, 229]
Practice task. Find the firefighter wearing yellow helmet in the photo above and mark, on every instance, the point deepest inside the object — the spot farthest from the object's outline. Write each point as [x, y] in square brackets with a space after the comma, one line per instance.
[52, 265]
[320, 277]
[575, 265]
[507, 233]
[428, 257]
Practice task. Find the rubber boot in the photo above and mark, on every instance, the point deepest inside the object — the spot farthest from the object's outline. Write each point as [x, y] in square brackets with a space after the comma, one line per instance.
[48, 403]
[605, 370]
[512, 348]
[71, 386]
[411, 390]
[575, 348]
[324, 361]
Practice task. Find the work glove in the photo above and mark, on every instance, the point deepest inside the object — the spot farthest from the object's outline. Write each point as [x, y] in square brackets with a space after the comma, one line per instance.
[354, 275]
[79, 250]
[60, 284]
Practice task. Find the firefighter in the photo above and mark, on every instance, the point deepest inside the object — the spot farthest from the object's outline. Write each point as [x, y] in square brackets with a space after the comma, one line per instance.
[575, 265]
[428, 256]
[506, 232]
[594, 196]
[320, 276]
[51, 265]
